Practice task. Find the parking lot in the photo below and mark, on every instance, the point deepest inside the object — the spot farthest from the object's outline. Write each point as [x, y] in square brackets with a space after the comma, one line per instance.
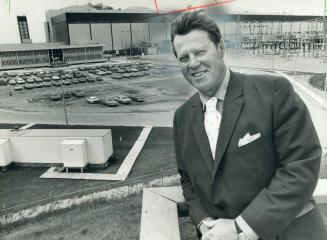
[151, 85]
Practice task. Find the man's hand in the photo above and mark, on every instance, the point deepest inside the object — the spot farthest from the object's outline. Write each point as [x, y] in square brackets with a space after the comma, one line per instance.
[221, 229]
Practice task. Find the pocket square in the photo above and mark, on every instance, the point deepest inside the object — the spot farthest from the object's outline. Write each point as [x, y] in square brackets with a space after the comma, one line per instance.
[248, 138]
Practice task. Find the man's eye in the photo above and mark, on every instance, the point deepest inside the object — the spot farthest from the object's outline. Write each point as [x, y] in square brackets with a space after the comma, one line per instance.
[183, 59]
[200, 53]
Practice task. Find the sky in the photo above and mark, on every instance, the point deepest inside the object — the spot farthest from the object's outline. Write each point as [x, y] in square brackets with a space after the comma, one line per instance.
[34, 10]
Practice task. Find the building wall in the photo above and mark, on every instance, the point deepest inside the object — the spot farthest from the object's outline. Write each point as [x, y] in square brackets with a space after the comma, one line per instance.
[140, 33]
[79, 33]
[22, 58]
[158, 32]
[61, 32]
[101, 33]
[31, 58]
[121, 35]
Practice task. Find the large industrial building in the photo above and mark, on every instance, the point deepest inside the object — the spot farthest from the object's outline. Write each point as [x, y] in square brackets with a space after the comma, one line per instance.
[118, 30]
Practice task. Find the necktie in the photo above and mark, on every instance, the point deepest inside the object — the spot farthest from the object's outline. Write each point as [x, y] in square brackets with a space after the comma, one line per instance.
[212, 119]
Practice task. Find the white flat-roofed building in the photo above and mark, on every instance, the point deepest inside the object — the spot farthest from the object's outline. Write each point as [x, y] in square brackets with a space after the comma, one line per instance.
[13, 56]
[48, 146]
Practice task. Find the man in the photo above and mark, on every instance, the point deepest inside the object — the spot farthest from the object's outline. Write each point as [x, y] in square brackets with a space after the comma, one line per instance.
[246, 148]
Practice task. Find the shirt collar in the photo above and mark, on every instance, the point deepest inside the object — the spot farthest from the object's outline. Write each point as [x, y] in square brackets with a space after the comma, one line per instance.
[221, 92]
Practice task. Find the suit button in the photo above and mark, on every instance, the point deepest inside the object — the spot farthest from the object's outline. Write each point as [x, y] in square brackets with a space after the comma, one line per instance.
[220, 206]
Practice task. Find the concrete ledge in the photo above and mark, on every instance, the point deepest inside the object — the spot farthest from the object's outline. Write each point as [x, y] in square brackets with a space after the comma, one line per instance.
[159, 218]
[159, 214]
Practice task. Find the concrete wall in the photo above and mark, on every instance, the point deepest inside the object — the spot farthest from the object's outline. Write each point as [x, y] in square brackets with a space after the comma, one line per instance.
[140, 32]
[121, 35]
[79, 33]
[101, 33]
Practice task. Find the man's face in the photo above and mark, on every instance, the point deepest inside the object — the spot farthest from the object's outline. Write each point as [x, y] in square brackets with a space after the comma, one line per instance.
[201, 61]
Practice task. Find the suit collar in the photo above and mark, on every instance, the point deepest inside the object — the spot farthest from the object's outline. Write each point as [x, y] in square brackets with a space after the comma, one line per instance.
[233, 105]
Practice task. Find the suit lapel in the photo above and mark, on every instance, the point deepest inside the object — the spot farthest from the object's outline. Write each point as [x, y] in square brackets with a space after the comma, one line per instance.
[200, 133]
[233, 104]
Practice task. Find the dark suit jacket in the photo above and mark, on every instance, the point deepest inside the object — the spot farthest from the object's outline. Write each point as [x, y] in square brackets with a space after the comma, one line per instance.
[267, 181]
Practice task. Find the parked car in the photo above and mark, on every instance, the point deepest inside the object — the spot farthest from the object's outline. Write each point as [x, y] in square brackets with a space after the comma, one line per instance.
[75, 81]
[82, 80]
[126, 75]
[109, 102]
[56, 84]
[55, 77]
[116, 76]
[38, 79]
[30, 80]
[55, 97]
[67, 95]
[38, 85]
[99, 78]
[136, 98]
[66, 82]
[90, 79]
[29, 86]
[123, 99]
[12, 82]
[92, 99]
[123, 70]
[100, 73]
[68, 76]
[47, 84]
[78, 93]
[19, 87]
[20, 81]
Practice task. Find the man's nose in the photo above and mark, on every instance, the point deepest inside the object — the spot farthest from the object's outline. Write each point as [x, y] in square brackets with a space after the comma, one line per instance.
[193, 62]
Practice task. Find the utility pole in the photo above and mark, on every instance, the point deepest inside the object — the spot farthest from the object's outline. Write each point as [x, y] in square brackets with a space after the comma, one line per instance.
[324, 39]
[55, 59]
[324, 25]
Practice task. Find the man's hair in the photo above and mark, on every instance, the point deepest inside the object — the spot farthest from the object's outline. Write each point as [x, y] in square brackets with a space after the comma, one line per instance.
[189, 21]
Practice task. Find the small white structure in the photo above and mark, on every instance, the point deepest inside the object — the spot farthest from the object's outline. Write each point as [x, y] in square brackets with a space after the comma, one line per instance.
[74, 153]
[49, 146]
[5, 153]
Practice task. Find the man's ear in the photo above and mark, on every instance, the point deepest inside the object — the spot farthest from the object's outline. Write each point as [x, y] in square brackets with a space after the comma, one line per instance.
[222, 47]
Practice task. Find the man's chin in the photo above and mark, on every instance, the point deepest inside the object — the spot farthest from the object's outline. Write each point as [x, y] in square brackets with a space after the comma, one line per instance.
[207, 92]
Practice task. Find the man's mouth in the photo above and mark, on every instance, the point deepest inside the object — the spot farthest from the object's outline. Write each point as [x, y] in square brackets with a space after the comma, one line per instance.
[199, 74]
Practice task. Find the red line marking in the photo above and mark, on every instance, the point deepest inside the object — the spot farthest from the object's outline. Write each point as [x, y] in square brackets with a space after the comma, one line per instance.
[155, 3]
[202, 6]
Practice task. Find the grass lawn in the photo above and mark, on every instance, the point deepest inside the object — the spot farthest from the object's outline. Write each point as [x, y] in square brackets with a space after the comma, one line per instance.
[117, 219]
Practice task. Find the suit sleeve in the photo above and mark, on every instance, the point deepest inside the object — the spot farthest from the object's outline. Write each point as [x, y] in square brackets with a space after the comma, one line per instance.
[196, 211]
[298, 149]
